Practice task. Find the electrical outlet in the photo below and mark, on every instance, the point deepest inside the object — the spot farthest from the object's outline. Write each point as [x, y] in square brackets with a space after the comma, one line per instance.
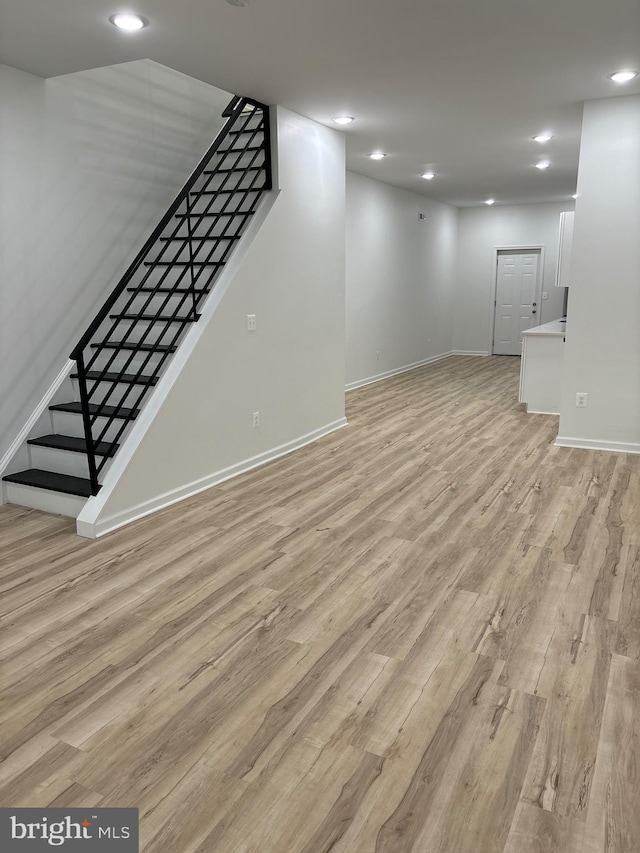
[581, 399]
[256, 419]
[251, 322]
[545, 294]
[377, 355]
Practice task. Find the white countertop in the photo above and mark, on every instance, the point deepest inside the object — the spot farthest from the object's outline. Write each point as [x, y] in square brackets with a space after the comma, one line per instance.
[555, 328]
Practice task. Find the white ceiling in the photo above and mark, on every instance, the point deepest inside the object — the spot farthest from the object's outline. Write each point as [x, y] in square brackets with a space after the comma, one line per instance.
[457, 85]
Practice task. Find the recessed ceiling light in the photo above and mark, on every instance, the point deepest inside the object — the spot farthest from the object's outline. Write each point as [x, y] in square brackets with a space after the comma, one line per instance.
[429, 176]
[543, 164]
[129, 22]
[490, 201]
[344, 119]
[623, 76]
[543, 137]
[377, 155]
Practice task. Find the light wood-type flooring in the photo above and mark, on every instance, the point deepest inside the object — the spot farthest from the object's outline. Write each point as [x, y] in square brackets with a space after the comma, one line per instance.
[421, 633]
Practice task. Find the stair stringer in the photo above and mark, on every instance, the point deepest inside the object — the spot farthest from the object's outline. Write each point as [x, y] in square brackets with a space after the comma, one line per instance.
[87, 523]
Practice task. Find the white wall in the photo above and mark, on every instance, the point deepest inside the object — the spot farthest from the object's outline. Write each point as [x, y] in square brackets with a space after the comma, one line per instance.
[602, 352]
[480, 230]
[88, 164]
[291, 369]
[400, 278]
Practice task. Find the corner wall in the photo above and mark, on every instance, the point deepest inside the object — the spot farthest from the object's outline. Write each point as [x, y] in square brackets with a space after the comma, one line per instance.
[400, 275]
[480, 230]
[602, 352]
[88, 164]
[290, 370]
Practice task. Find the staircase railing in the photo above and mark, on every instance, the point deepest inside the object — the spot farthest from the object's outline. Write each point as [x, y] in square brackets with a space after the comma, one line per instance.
[221, 195]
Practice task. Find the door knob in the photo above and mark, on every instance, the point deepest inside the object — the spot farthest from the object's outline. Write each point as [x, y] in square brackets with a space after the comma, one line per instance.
[534, 311]
[534, 304]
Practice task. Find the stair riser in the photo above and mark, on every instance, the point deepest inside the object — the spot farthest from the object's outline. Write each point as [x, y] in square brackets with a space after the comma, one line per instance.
[164, 276]
[65, 423]
[225, 182]
[121, 394]
[168, 303]
[144, 330]
[250, 160]
[137, 299]
[238, 160]
[227, 203]
[60, 461]
[252, 121]
[130, 361]
[43, 500]
[199, 250]
[229, 225]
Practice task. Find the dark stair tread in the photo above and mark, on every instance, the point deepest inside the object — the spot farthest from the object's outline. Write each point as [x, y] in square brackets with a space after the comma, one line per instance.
[135, 346]
[226, 191]
[184, 263]
[215, 213]
[229, 171]
[239, 150]
[52, 481]
[195, 237]
[123, 413]
[192, 318]
[73, 443]
[127, 378]
[151, 289]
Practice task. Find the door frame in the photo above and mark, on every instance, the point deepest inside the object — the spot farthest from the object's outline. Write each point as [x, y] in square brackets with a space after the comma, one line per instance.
[521, 247]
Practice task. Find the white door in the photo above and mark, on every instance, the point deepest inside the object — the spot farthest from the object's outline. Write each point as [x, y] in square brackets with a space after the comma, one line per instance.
[517, 304]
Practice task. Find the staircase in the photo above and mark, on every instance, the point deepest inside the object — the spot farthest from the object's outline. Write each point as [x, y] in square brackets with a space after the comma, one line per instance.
[123, 353]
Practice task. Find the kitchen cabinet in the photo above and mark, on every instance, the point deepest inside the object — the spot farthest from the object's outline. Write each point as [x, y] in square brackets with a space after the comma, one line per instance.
[541, 368]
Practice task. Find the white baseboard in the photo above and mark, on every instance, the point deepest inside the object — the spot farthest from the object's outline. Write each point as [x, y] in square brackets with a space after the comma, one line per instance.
[598, 444]
[92, 530]
[359, 383]
[482, 353]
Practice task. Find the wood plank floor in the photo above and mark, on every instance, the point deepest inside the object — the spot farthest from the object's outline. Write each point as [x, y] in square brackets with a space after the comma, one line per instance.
[421, 633]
